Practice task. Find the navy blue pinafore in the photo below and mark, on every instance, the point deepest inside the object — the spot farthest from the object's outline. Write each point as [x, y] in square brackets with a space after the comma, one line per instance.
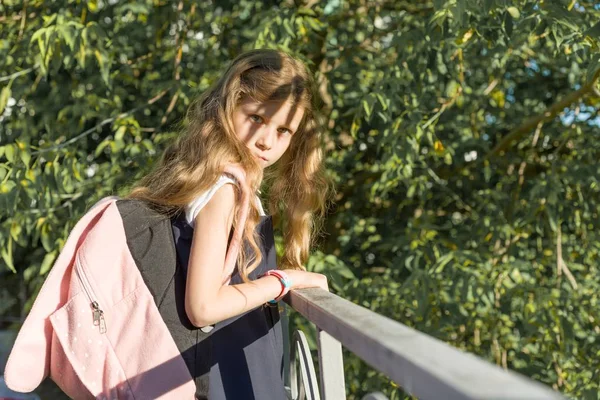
[242, 357]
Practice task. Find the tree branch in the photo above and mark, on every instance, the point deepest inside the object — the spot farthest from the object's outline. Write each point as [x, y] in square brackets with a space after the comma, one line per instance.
[447, 104]
[561, 266]
[552, 112]
[23, 21]
[454, 196]
[17, 17]
[101, 124]
[180, 40]
[16, 74]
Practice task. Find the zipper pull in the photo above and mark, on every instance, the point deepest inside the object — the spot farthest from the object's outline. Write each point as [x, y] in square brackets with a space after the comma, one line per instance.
[96, 313]
[102, 323]
[98, 317]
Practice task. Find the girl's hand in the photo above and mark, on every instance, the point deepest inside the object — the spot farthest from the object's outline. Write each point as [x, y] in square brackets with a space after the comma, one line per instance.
[305, 279]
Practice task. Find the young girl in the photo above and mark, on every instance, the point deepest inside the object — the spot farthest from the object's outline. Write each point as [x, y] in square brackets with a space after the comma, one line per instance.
[258, 119]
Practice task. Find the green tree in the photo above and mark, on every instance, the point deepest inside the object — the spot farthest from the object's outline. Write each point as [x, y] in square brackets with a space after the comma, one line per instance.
[463, 137]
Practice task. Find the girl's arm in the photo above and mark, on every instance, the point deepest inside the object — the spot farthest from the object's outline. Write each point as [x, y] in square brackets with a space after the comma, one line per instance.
[207, 300]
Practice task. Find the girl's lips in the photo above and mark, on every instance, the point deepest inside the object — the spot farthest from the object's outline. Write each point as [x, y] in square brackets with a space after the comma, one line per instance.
[262, 158]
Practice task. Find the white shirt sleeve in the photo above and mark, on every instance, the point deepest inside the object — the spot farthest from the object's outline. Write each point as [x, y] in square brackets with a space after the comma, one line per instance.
[192, 209]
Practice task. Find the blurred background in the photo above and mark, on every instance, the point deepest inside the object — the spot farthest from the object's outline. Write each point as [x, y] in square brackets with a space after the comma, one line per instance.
[463, 137]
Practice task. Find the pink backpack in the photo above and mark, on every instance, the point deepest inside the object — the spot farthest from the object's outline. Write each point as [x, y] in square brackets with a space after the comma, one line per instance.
[94, 327]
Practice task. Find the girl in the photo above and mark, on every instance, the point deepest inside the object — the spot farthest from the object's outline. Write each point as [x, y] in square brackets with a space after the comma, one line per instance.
[258, 118]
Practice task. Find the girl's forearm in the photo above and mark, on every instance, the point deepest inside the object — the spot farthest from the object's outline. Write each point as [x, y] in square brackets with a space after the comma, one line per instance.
[233, 300]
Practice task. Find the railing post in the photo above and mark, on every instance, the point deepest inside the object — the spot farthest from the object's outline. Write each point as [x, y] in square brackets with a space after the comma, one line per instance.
[331, 367]
[285, 328]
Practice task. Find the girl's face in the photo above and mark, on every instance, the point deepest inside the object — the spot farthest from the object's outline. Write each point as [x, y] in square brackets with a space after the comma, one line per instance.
[266, 128]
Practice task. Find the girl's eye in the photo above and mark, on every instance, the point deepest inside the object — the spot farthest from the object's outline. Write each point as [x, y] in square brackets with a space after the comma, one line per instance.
[256, 118]
[259, 120]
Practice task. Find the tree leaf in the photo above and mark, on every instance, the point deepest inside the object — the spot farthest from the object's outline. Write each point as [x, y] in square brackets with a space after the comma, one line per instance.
[594, 31]
[9, 152]
[48, 262]
[45, 236]
[104, 64]
[7, 255]
[4, 96]
[514, 12]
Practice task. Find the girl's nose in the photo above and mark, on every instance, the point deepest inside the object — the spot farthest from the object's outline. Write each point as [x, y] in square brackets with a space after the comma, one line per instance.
[265, 140]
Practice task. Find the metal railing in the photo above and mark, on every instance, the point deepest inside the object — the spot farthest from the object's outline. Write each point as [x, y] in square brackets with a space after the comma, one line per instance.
[423, 366]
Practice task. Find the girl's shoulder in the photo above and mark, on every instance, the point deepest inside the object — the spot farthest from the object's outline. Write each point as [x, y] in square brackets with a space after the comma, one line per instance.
[194, 207]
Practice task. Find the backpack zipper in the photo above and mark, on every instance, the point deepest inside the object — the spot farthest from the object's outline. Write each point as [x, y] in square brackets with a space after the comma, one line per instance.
[97, 313]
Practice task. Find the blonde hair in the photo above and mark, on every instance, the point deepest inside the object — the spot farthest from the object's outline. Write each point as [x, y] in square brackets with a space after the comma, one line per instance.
[207, 142]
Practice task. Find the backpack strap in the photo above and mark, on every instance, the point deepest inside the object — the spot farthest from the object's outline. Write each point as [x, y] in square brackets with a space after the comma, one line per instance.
[149, 239]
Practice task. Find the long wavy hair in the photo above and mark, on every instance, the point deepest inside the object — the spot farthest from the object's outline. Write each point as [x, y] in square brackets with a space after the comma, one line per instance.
[298, 189]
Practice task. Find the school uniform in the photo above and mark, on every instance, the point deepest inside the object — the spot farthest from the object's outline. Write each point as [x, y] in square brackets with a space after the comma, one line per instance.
[242, 357]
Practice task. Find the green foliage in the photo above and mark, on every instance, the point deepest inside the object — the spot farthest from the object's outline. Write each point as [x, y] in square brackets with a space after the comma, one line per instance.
[463, 138]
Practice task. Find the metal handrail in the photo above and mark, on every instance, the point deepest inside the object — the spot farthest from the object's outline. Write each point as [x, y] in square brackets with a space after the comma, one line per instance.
[422, 365]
